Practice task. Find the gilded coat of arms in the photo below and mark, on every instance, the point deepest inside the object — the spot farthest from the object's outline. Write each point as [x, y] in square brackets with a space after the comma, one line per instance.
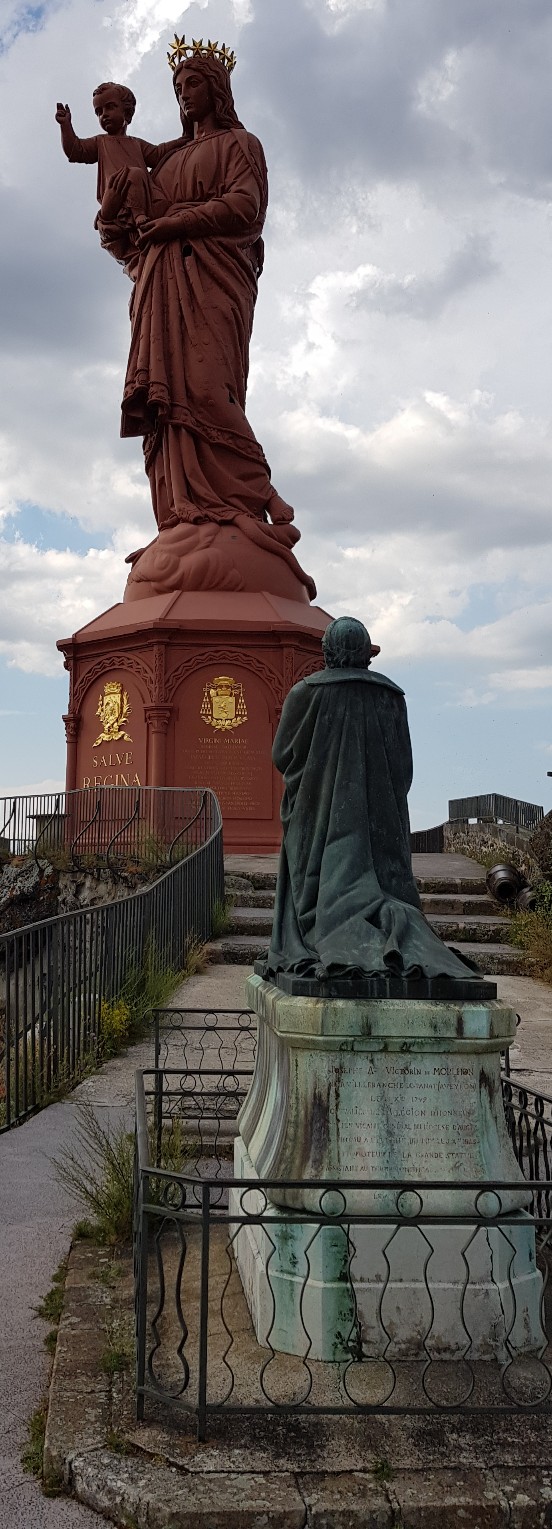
[113, 710]
[223, 704]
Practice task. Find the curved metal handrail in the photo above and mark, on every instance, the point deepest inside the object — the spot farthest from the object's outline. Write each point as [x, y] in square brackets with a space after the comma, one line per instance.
[46, 827]
[84, 830]
[184, 830]
[7, 820]
[122, 830]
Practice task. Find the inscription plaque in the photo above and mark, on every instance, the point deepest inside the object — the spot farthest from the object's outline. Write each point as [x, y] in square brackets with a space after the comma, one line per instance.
[235, 763]
[406, 1117]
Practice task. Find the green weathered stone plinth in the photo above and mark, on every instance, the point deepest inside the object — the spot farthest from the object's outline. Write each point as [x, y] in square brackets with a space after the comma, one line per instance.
[377, 1089]
[387, 1095]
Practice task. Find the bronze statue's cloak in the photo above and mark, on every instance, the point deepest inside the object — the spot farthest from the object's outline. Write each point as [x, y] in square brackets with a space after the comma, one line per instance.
[191, 316]
[346, 897]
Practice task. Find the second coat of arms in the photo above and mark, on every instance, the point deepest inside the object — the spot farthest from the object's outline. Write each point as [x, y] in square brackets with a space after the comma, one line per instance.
[223, 704]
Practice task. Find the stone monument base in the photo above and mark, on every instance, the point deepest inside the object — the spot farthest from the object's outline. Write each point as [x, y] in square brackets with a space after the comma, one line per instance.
[379, 1291]
[388, 1095]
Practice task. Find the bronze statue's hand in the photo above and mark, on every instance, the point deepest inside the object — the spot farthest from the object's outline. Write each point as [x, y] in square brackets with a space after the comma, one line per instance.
[114, 195]
[63, 113]
[157, 231]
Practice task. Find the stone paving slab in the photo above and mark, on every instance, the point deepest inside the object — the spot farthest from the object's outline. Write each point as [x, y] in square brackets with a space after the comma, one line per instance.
[266, 1471]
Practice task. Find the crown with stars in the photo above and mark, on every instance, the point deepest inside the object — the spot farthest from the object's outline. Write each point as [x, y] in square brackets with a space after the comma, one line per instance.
[181, 50]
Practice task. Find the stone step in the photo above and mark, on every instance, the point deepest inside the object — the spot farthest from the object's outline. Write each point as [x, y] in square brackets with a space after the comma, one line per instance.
[238, 949]
[251, 899]
[491, 958]
[250, 921]
[494, 960]
[245, 921]
[451, 886]
[457, 904]
[438, 903]
[460, 930]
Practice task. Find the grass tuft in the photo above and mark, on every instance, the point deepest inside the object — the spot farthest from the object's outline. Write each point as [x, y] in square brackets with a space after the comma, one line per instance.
[532, 933]
[382, 1471]
[51, 1306]
[220, 918]
[84, 1231]
[99, 1172]
[32, 1454]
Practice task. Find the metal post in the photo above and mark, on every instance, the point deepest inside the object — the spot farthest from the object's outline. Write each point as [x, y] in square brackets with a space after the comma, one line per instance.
[203, 1317]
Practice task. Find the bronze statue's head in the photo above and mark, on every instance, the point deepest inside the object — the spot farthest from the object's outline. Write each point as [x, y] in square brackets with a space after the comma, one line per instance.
[217, 78]
[109, 94]
[346, 644]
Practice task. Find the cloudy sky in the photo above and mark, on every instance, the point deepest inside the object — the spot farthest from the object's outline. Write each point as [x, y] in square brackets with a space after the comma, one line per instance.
[401, 364]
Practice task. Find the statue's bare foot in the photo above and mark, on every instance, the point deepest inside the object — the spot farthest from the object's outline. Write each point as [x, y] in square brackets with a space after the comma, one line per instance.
[133, 556]
[280, 512]
[321, 972]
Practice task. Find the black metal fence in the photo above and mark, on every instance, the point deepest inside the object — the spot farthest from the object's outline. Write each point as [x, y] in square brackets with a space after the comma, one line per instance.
[203, 1065]
[55, 976]
[199, 1353]
[105, 825]
[494, 808]
[428, 841]
[529, 1121]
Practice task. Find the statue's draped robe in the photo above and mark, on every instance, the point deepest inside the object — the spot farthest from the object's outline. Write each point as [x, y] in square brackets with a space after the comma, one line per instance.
[191, 316]
[346, 897]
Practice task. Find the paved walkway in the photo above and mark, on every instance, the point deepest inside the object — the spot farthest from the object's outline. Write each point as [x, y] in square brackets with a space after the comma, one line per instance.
[36, 1215]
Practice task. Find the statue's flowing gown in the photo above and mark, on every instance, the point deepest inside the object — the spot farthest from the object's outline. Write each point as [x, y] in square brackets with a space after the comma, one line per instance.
[191, 316]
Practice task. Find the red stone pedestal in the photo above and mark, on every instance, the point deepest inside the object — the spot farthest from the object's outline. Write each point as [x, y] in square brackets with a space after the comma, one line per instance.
[186, 690]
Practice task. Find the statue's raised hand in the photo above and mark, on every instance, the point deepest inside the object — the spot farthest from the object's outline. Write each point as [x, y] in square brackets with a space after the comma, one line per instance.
[63, 113]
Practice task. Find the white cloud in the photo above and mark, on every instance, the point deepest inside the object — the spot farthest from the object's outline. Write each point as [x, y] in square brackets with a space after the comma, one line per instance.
[401, 365]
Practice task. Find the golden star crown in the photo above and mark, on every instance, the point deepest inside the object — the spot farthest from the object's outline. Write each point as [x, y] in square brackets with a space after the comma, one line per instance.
[181, 49]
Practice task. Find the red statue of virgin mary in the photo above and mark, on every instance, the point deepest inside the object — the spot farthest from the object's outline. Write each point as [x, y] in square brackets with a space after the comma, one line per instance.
[195, 265]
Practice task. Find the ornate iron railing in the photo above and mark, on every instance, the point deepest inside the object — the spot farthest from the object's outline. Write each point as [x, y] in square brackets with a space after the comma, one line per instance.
[104, 825]
[56, 975]
[197, 1351]
[529, 1121]
[203, 1066]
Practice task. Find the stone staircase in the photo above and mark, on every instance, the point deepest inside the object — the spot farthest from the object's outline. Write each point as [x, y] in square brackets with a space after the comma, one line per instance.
[459, 910]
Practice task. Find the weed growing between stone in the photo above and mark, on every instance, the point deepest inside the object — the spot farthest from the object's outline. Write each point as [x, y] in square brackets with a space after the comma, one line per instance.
[51, 1306]
[118, 1356]
[146, 988]
[382, 1471]
[115, 1028]
[220, 917]
[33, 1451]
[532, 933]
[99, 1173]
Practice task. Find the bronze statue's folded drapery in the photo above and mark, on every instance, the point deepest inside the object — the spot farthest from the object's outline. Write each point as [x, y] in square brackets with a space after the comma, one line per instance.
[192, 315]
[346, 899]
